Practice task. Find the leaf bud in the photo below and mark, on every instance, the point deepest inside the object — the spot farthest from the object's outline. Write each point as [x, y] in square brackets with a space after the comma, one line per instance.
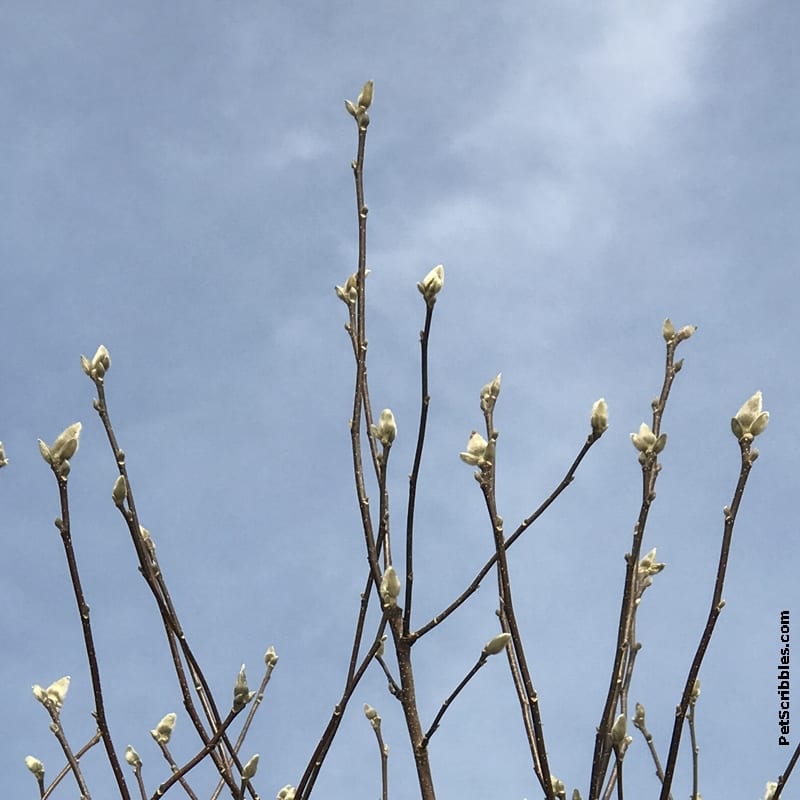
[57, 691]
[120, 491]
[386, 429]
[271, 657]
[365, 97]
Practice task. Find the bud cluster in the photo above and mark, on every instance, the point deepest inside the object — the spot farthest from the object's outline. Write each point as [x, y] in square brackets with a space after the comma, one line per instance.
[98, 366]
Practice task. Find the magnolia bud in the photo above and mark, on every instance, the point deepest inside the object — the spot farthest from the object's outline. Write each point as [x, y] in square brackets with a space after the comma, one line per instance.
[270, 657]
[386, 429]
[120, 491]
[599, 418]
[163, 731]
[132, 757]
[497, 644]
[432, 284]
[365, 97]
[476, 450]
[57, 691]
[35, 766]
[249, 770]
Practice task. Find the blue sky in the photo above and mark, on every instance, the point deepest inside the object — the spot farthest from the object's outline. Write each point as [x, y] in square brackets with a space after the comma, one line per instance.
[177, 186]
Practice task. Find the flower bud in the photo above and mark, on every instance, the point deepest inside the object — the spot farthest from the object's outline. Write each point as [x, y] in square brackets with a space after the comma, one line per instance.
[39, 693]
[120, 491]
[35, 766]
[770, 789]
[432, 284]
[497, 644]
[599, 418]
[390, 587]
[649, 566]
[750, 420]
[65, 446]
[132, 757]
[163, 731]
[668, 330]
[250, 768]
[287, 793]
[386, 429]
[558, 787]
[618, 730]
[476, 450]
[646, 442]
[638, 718]
[351, 108]
[490, 392]
[3, 459]
[270, 657]
[57, 691]
[369, 712]
[241, 691]
[696, 690]
[365, 97]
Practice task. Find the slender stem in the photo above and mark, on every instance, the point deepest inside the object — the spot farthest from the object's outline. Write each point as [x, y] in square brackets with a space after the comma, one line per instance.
[784, 777]
[717, 603]
[68, 767]
[695, 750]
[650, 470]
[446, 704]
[413, 478]
[88, 639]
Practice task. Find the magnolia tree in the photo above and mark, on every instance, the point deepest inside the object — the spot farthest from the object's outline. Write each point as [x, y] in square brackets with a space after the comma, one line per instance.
[386, 629]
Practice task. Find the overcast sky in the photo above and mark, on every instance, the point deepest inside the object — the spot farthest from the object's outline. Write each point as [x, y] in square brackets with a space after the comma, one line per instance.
[176, 185]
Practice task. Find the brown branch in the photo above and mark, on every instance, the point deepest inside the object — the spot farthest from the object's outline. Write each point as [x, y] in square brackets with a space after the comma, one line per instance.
[88, 640]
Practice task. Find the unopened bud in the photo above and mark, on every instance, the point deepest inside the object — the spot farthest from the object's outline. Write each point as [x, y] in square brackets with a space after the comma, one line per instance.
[287, 793]
[35, 766]
[365, 97]
[369, 712]
[599, 418]
[3, 459]
[490, 392]
[432, 284]
[618, 730]
[390, 587]
[476, 450]
[270, 657]
[65, 446]
[750, 420]
[668, 330]
[241, 691]
[497, 644]
[120, 491]
[250, 768]
[163, 731]
[132, 757]
[386, 429]
[57, 691]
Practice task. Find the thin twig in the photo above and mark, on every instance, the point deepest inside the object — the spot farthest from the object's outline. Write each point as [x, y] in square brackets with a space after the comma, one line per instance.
[66, 769]
[88, 639]
[717, 603]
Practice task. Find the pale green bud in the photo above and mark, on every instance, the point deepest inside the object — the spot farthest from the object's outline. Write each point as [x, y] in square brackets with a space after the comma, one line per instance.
[241, 691]
[351, 108]
[476, 450]
[386, 429]
[39, 693]
[365, 97]
[599, 418]
[57, 691]
[618, 730]
[559, 789]
[668, 330]
[65, 446]
[163, 731]
[646, 442]
[120, 491]
[390, 587]
[490, 392]
[287, 793]
[35, 766]
[432, 284]
[770, 789]
[686, 332]
[250, 768]
[750, 420]
[696, 690]
[132, 757]
[349, 292]
[497, 644]
[270, 657]
[638, 718]
[649, 566]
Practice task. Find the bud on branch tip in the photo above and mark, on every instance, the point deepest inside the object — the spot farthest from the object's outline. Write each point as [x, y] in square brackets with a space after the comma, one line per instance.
[750, 420]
